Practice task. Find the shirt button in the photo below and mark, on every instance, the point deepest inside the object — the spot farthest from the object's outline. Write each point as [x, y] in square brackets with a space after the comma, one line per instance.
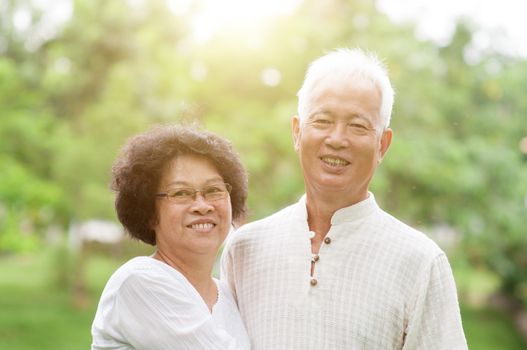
[315, 258]
[327, 240]
[313, 282]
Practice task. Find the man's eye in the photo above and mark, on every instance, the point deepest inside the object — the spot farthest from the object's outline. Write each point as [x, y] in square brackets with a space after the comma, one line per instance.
[321, 122]
[358, 126]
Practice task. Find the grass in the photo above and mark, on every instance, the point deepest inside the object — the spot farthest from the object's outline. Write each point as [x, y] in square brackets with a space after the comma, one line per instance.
[485, 328]
[34, 319]
[37, 313]
[489, 329]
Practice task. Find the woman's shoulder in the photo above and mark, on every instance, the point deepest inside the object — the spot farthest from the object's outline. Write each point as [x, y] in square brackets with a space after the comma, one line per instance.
[145, 277]
[223, 288]
[225, 296]
[137, 265]
[226, 304]
[145, 269]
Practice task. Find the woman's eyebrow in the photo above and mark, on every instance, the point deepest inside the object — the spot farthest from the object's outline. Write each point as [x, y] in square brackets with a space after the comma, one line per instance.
[183, 183]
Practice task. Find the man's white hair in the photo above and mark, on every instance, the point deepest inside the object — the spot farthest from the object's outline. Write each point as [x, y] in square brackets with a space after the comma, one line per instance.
[343, 65]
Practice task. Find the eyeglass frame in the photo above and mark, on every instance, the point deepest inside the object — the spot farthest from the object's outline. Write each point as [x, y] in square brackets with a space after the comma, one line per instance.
[195, 192]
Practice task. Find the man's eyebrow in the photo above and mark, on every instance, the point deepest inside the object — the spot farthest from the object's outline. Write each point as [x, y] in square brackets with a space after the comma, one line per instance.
[320, 111]
[357, 116]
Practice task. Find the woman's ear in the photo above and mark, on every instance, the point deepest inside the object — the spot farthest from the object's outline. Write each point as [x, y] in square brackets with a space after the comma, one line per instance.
[154, 221]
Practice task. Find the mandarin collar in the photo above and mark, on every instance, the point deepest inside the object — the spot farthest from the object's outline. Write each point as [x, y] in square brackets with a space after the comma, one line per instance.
[356, 211]
[352, 213]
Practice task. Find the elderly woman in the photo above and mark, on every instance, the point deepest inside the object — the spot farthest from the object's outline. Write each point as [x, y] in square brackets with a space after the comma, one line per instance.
[177, 189]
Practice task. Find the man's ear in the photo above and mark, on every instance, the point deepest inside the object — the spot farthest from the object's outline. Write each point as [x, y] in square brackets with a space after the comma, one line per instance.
[386, 140]
[295, 128]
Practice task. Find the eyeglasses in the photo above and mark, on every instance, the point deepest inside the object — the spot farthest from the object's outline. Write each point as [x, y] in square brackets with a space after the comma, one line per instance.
[188, 194]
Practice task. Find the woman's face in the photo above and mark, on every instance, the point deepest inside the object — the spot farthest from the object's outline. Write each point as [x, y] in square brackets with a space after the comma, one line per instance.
[196, 226]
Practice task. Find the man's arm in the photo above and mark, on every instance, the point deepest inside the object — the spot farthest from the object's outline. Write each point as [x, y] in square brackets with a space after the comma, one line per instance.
[435, 321]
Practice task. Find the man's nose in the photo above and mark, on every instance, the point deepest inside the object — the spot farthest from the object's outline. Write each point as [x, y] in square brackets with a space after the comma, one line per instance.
[338, 136]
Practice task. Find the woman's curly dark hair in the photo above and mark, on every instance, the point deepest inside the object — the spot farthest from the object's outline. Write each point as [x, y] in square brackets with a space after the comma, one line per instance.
[137, 171]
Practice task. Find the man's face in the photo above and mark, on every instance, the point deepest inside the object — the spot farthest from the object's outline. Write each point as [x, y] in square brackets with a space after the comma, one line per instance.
[342, 140]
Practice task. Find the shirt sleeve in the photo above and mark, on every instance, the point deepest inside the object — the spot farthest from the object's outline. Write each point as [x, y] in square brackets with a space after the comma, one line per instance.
[435, 321]
[153, 313]
[227, 267]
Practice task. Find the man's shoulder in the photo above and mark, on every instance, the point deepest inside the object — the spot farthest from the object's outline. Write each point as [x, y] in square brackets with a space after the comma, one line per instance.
[410, 238]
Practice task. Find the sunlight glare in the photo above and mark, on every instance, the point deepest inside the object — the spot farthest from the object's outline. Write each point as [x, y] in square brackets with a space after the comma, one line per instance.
[239, 15]
[271, 77]
[22, 19]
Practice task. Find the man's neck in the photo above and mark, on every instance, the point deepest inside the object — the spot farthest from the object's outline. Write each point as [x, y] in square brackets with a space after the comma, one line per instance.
[320, 210]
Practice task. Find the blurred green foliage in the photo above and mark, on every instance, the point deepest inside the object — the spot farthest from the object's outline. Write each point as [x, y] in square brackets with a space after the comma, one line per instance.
[70, 100]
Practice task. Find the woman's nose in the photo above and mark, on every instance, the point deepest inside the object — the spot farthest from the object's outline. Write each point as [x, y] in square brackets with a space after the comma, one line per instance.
[201, 205]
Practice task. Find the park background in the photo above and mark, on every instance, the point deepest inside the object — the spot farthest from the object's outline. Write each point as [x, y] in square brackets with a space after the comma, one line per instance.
[78, 78]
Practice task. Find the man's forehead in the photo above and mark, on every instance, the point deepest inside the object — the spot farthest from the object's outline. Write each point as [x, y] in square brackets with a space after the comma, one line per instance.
[330, 113]
[338, 82]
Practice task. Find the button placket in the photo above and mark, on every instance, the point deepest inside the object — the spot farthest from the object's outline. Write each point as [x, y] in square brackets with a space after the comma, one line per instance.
[315, 258]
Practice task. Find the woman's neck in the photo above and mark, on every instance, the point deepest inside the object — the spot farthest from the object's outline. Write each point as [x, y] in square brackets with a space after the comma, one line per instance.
[198, 272]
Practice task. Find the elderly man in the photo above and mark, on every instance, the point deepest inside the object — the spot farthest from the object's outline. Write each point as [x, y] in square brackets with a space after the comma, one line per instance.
[334, 271]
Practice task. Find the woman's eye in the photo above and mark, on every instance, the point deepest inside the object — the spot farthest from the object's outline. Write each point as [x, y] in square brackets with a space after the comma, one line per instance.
[213, 189]
[181, 193]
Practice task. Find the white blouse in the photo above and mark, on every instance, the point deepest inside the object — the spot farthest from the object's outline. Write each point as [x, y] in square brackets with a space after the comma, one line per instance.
[149, 305]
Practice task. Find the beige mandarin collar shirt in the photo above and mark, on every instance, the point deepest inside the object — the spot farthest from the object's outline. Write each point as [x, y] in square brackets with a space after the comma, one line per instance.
[377, 283]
